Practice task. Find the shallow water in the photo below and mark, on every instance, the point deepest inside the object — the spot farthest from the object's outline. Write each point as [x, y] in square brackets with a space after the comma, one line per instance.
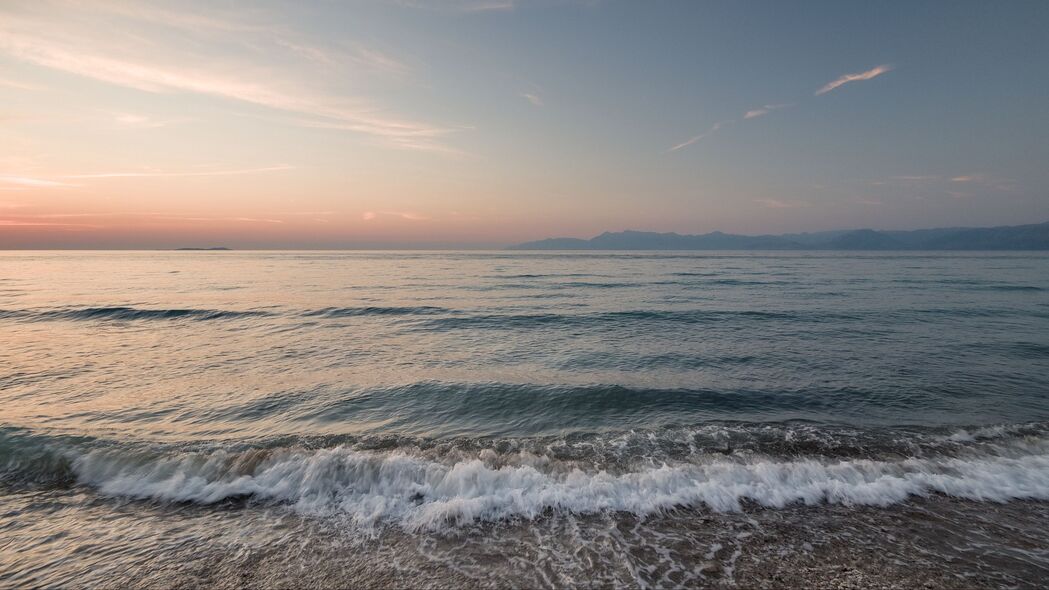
[228, 418]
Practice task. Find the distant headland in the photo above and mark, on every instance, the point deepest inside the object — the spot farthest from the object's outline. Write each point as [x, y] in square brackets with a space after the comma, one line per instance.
[213, 249]
[1015, 237]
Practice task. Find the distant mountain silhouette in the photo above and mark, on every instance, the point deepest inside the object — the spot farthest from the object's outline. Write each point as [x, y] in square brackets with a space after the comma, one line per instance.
[1015, 237]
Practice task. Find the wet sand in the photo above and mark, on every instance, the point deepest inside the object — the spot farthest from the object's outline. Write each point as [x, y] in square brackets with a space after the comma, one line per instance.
[926, 543]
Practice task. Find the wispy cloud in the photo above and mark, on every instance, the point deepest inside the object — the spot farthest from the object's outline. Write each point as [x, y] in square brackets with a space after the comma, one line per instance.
[461, 5]
[533, 98]
[181, 19]
[845, 79]
[158, 173]
[751, 114]
[967, 178]
[150, 66]
[379, 61]
[915, 177]
[778, 204]
[406, 215]
[23, 223]
[29, 182]
[132, 120]
[764, 110]
[256, 220]
[367, 57]
[713, 129]
[18, 85]
[10, 182]
[144, 216]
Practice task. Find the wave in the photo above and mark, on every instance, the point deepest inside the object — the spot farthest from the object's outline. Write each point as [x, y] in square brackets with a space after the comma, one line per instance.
[421, 494]
[342, 312]
[503, 409]
[452, 319]
[688, 316]
[418, 489]
[124, 313]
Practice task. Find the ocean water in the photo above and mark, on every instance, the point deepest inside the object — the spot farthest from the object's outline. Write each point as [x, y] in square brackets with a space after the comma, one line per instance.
[477, 419]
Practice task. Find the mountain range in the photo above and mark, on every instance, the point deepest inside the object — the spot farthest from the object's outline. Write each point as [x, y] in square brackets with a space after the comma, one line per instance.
[1014, 237]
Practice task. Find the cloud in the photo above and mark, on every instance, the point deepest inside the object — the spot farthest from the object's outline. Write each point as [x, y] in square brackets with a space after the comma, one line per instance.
[131, 57]
[156, 173]
[377, 60]
[461, 5]
[421, 140]
[751, 114]
[764, 110]
[17, 85]
[367, 57]
[406, 215]
[255, 220]
[307, 213]
[21, 223]
[713, 129]
[179, 19]
[845, 79]
[778, 204]
[25, 181]
[14, 182]
[915, 178]
[146, 215]
[869, 201]
[535, 99]
[966, 178]
[143, 122]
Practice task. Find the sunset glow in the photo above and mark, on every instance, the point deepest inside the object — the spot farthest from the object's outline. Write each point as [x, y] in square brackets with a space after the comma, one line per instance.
[412, 124]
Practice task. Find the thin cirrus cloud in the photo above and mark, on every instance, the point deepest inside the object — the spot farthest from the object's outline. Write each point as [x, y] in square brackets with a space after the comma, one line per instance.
[29, 182]
[915, 177]
[751, 114]
[18, 85]
[713, 129]
[366, 57]
[157, 173]
[460, 5]
[88, 52]
[21, 223]
[12, 182]
[131, 120]
[857, 77]
[406, 215]
[764, 110]
[533, 98]
[778, 204]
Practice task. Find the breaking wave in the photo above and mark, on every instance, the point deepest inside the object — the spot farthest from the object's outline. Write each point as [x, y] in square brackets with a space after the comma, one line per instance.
[419, 489]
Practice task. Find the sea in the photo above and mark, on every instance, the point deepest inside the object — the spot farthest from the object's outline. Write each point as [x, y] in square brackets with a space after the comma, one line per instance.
[524, 419]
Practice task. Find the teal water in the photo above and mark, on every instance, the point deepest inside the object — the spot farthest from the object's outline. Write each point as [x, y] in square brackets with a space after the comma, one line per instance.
[422, 395]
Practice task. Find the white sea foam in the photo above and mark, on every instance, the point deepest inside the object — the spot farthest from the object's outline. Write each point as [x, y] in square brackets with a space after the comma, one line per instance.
[419, 493]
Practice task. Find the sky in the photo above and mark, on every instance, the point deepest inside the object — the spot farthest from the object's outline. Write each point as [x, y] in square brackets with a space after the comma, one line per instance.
[481, 123]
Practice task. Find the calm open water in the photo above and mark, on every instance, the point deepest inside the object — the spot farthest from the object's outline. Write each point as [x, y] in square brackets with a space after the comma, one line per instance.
[523, 419]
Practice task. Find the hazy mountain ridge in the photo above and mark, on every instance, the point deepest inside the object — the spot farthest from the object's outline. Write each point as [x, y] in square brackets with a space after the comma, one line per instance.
[1015, 237]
